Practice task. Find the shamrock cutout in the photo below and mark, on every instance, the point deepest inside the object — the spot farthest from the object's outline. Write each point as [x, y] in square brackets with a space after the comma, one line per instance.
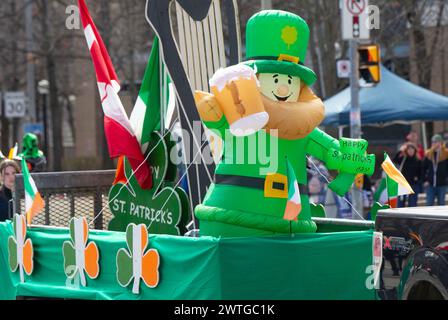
[77, 256]
[163, 209]
[20, 251]
[289, 35]
[136, 263]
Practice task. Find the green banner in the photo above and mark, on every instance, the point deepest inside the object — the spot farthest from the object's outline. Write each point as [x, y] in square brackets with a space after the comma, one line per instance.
[163, 208]
[302, 266]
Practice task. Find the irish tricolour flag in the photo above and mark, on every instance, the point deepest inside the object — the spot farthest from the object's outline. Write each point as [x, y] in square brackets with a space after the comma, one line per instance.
[293, 205]
[33, 200]
[153, 99]
[397, 185]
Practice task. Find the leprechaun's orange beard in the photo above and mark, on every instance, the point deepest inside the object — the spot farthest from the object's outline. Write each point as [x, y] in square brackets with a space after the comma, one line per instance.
[294, 120]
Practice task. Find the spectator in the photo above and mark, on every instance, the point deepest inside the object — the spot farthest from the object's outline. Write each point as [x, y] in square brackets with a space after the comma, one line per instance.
[35, 158]
[367, 195]
[410, 166]
[8, 170]
[435, 171]
[338, 207]
[318, 177]
[413, 138]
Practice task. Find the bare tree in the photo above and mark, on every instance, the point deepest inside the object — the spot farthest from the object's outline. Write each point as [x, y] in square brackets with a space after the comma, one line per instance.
[60, 55]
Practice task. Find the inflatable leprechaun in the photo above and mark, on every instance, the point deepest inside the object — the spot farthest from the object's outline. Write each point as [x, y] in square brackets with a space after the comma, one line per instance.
[267, 116]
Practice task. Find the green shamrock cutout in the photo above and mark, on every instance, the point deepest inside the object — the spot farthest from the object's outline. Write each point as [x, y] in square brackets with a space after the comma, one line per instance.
[20, 251]
[162, 209]
[80, 257]
[137, 263]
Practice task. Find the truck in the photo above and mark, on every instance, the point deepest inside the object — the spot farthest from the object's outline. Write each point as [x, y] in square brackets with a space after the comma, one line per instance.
[415, 252]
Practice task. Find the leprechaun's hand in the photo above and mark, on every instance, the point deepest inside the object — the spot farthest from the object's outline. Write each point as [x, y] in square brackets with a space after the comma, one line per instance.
[208, 107]
[351, 157]
[350, 160]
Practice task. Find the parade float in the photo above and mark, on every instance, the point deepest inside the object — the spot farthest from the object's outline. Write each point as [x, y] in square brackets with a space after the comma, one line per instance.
[255, 233]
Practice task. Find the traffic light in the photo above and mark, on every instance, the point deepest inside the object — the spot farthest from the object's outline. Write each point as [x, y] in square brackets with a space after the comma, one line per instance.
[369, 63]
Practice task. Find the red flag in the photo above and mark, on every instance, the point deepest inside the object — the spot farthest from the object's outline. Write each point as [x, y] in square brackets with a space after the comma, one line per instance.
[120, 137]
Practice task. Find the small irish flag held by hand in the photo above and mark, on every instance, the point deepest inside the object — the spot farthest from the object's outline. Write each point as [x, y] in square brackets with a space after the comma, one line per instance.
[33, 200]
[397, 185]
[293, 205]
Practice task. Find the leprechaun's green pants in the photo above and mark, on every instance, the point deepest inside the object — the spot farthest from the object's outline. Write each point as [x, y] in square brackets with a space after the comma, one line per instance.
[232, 211]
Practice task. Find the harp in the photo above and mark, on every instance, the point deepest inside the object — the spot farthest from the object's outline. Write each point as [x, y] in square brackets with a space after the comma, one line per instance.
[193, 46]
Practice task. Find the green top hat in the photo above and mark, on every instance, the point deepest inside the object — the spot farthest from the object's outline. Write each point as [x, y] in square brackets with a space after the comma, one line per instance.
[276, 42]
[30, 147]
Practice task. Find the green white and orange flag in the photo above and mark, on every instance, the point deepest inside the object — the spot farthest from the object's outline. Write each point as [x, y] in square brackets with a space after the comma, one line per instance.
[397, 185]
[293, 204]
[152, 101]
[151, 105]
[33, 200]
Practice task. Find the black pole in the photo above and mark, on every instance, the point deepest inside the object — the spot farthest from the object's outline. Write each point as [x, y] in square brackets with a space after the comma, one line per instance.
[44, 110]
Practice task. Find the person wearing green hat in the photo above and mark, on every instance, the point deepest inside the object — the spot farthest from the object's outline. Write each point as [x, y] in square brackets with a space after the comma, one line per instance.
[34, 157]
[260, 173]
[435, 171]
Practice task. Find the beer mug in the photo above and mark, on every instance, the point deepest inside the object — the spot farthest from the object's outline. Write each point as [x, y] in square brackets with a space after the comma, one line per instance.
[237, 90]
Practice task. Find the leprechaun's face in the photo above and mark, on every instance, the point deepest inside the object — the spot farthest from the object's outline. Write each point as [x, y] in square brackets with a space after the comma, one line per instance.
[279, 87]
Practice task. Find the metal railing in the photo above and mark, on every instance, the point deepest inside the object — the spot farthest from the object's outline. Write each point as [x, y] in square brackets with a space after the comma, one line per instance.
[69, 194]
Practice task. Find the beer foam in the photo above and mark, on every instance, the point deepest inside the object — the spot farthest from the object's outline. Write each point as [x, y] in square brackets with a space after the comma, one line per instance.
[229, 74]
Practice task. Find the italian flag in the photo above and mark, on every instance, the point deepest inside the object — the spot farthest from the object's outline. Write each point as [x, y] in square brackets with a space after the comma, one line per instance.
[293, 205]
[33, 200]
[397, 185]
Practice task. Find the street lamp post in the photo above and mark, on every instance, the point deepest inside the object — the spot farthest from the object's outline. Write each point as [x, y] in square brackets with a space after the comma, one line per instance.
[266, 4]
[43, 88]
[355, 120]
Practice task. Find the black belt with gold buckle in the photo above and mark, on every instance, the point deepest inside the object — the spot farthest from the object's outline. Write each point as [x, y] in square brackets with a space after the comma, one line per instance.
[255, 183]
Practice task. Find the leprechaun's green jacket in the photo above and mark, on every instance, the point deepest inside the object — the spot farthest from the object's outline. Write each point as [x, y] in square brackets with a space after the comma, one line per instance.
[231, 210]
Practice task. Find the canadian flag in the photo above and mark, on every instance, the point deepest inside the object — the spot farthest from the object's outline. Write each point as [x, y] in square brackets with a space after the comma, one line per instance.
[120, 137]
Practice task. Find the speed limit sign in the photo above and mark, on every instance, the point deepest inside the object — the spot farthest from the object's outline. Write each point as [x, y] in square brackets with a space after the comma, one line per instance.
[15, 104]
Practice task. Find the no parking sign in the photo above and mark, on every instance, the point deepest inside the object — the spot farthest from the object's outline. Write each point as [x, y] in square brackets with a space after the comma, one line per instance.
[354, 19]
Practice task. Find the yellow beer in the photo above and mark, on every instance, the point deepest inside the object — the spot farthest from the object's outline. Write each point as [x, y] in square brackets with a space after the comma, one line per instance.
[237, 90]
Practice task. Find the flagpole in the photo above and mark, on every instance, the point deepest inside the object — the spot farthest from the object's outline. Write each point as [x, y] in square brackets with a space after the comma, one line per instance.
[290, 223]
[387, 185]
[387, 191]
